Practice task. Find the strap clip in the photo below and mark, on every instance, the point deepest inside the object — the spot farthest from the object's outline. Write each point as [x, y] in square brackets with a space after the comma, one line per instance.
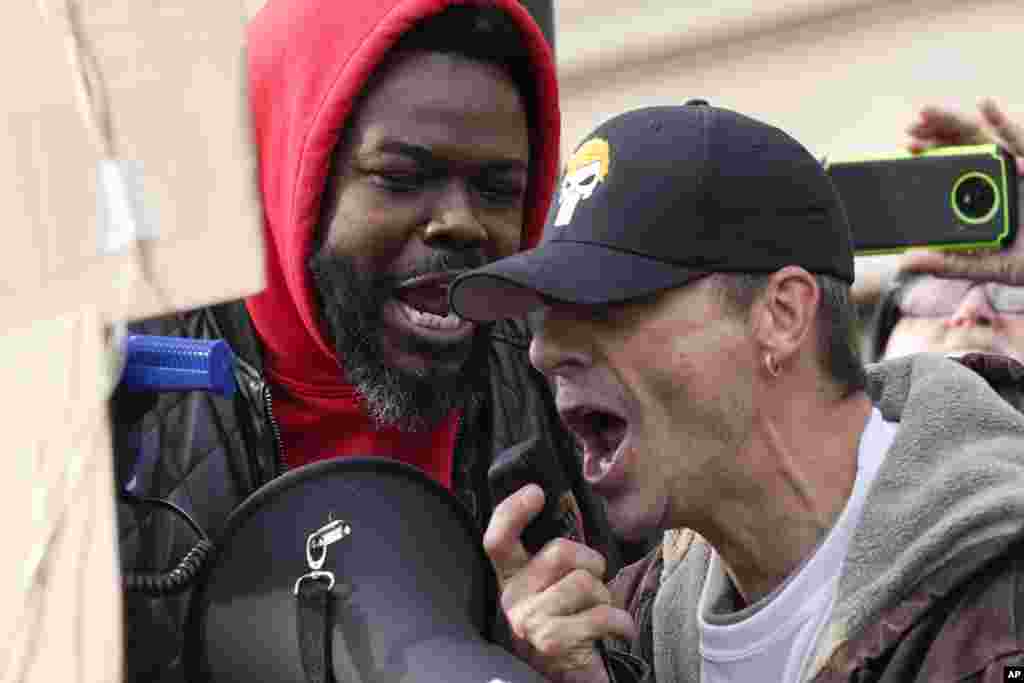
[316, 551]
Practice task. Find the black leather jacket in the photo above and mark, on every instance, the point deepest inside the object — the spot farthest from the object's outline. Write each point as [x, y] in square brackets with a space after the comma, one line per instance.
[206, 454]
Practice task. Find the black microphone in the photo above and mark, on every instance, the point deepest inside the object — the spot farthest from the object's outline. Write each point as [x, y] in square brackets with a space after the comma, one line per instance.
[523, 464]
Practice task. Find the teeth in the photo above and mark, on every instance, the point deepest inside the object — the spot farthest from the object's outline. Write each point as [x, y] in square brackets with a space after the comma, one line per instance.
[436, 322]
[602, 455]
[600, 463]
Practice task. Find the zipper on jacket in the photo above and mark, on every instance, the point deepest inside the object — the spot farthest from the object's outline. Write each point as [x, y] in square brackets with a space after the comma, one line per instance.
[469, 497]
[454, 472]
[275, 430]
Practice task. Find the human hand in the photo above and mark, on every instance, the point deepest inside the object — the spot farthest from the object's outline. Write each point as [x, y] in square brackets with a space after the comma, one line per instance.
[555, 602]
[937, 127]
[983, 265]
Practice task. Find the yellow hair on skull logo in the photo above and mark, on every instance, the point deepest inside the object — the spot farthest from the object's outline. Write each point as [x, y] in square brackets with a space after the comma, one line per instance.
[590, 151]
[587, 167]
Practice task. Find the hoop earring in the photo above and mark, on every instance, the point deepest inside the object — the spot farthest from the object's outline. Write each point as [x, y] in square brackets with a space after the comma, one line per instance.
[771, 365]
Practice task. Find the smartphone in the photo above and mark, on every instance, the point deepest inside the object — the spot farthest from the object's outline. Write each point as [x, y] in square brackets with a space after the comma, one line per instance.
[944, 198]
[523, 464]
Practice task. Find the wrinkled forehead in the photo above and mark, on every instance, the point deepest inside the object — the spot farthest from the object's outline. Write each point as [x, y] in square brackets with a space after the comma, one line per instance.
[925, 287]
[432, 98]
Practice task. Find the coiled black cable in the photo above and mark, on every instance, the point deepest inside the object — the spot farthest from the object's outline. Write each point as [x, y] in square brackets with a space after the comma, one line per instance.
[176, 580]
[521, 345]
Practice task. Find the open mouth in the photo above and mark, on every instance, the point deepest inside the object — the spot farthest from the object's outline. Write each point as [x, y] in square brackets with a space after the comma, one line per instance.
[424, 301]
[601, 432]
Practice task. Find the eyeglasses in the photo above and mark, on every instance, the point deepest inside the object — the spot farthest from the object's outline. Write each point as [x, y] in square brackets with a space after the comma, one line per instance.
[933, 297]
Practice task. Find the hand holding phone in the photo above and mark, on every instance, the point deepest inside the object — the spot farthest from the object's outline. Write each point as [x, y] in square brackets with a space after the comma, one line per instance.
[940, 126]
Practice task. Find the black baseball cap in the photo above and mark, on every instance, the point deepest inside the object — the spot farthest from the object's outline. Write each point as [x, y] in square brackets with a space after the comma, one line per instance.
[657, 197]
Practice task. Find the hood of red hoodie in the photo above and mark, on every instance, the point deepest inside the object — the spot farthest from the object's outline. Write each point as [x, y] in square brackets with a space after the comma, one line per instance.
[308, 62]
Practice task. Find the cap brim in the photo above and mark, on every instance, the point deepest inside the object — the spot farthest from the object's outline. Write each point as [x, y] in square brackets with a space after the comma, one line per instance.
[568, 272]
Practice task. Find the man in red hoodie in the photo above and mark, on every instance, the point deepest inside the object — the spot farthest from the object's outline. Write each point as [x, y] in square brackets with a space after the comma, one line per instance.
[401, 142]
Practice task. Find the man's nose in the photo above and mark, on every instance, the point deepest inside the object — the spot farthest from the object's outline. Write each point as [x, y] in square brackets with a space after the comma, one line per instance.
[552, 350]
[974, 309]
[454, 224]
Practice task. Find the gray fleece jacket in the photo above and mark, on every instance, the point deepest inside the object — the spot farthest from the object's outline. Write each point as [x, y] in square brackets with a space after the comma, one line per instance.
[933, 586]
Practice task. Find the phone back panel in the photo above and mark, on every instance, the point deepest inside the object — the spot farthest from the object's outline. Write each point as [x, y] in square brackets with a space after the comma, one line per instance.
[953, 198]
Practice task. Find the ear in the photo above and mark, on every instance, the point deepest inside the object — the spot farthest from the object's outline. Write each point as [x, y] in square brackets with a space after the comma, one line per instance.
[785, 313]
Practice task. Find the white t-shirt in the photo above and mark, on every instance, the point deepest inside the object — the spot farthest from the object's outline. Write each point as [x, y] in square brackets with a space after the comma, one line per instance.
[769, 640]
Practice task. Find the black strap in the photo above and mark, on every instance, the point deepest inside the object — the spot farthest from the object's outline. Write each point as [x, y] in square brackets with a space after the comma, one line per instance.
[321, 653]
[315, 630]
[623, 667]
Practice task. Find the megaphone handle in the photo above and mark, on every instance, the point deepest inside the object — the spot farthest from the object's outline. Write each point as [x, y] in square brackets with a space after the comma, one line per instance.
[320, 659]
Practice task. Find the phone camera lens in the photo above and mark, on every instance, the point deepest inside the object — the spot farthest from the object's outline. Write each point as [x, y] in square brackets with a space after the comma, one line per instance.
[975, 197]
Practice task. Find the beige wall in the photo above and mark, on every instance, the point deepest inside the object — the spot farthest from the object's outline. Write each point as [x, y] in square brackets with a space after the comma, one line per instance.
[843, 81]
[842, 76]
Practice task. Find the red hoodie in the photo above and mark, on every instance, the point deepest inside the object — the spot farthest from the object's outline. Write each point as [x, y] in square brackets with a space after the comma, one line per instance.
[308, 61]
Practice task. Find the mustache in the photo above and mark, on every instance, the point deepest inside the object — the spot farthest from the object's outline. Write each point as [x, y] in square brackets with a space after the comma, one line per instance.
[437, 262]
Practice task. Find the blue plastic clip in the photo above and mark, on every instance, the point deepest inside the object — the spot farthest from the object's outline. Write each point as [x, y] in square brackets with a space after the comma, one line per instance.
[160, 364]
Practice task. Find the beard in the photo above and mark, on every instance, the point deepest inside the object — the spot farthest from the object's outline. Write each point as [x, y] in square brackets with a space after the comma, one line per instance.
[350, 304]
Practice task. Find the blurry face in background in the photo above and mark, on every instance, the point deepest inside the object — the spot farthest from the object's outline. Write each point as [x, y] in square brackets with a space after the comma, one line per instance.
[958, 316]
[429, 181]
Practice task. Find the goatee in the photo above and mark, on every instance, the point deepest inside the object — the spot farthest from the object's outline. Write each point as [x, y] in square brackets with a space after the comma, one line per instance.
[350, 304]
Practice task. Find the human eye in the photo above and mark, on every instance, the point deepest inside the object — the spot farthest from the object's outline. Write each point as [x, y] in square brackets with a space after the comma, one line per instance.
[398, 181]
[501, 189]
[1006, 298]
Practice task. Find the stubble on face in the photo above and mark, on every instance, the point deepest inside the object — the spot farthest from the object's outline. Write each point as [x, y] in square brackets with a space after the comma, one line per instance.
[350, 303]
[694, 406]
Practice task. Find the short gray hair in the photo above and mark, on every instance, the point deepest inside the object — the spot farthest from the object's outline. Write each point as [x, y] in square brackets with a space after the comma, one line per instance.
[838, 337]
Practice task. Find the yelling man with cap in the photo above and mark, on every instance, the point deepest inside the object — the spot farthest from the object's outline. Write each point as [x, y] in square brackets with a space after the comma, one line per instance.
[821, 521]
